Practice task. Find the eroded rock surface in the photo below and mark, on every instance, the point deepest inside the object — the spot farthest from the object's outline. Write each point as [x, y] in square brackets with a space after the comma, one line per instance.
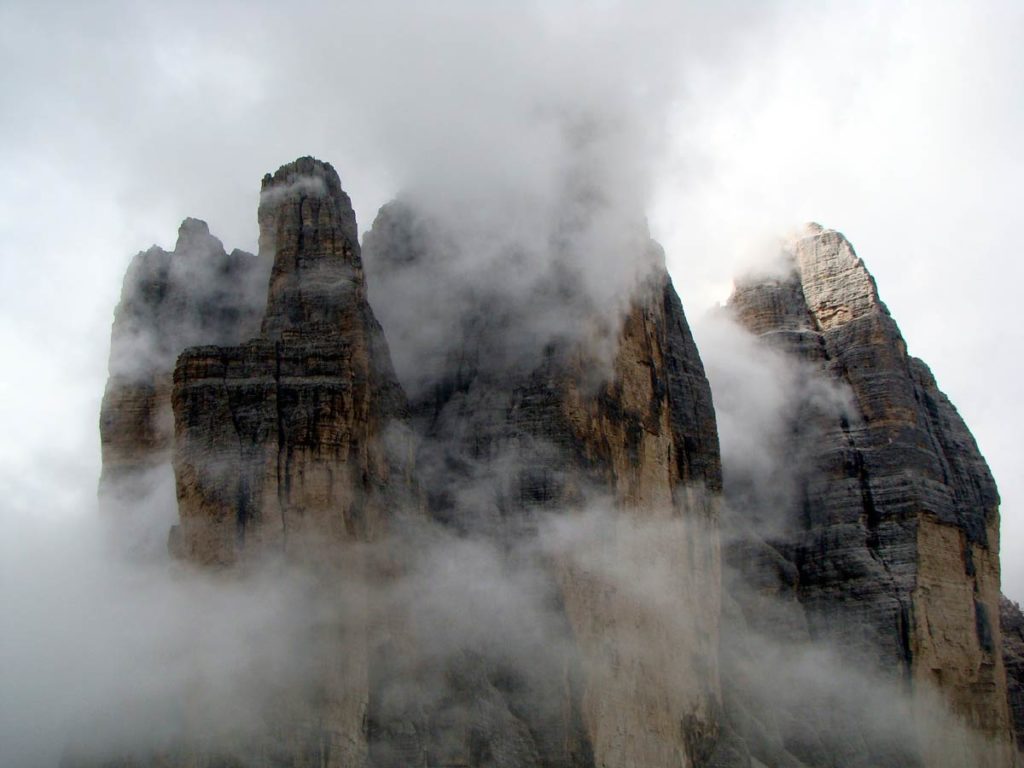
[569, 435]
[283, 452]
[886, 548]
[280, 441]
[294, 445]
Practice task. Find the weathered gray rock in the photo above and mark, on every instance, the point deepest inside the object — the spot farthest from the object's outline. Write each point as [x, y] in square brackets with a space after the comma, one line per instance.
[280, 442]
[290, 446]
[572, 435]
[516, 425]
[889, 542]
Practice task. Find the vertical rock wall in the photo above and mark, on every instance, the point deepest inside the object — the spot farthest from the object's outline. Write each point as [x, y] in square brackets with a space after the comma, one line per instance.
[280, 441]
[1011, 623]
[281, 454]
[893, 540]
[579, 441]
[532, 426]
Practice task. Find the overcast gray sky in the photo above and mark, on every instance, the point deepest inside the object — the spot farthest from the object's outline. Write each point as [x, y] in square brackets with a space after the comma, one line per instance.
[896, 123]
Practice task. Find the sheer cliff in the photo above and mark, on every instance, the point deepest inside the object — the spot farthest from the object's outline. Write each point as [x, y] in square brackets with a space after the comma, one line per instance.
[886, 548]
[1011, 623]
[519, 420]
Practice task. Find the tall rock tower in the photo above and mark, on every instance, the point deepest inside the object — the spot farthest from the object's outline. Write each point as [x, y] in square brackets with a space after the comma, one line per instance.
[282, 453]
[890, 545]
[279, 442]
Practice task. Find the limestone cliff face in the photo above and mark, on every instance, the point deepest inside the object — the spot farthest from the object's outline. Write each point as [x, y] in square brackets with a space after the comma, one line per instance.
[889, 547]
[282, 453]
[293, 443]
[516, 426]
[196, 294]
[280, 441]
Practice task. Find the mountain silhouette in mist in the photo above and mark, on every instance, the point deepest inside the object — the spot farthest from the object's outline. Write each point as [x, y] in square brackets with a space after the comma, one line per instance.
[500, 488]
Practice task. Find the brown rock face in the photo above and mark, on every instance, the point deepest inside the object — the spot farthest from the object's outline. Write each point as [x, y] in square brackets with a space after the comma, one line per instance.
[280, 441]
[196, 294]
[889, 544]
[281, 453]
[517, 425]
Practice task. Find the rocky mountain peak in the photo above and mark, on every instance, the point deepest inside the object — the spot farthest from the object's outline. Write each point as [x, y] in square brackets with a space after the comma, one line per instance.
[194, 238]
[308, 230]
[293, 445]
[891, 534]
[835, 282]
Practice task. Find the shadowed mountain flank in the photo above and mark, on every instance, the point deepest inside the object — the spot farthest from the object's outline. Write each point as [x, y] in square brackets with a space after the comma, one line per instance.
[883, 541]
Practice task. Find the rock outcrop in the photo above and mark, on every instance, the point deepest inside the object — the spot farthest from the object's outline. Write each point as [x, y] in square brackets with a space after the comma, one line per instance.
[886, 547]
[281, 441]
[296, 446]
[196, 294]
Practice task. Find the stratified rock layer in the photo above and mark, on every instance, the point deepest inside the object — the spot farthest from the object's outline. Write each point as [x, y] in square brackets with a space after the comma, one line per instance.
[282, 454]
[516, 426]
[890, 546]
[280, 441]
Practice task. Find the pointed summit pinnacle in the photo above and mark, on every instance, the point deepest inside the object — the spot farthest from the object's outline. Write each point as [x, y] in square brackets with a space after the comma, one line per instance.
[308, 229]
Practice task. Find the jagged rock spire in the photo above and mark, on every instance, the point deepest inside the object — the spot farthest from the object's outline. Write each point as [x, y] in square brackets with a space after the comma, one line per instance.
[892, 531]
[308, 229]
[837, 286]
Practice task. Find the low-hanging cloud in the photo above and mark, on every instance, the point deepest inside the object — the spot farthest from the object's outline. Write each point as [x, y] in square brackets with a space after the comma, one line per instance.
[525, 134]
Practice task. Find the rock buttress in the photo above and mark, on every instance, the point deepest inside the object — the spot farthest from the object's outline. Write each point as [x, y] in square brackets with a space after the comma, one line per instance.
[891, 543]
[518, 429]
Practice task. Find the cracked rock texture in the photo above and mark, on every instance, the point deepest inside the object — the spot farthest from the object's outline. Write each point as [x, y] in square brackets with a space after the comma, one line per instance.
[887, 546]
[280, 441]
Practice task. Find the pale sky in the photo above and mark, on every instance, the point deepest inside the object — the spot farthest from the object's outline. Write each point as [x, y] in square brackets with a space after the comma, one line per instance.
[897, 123]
